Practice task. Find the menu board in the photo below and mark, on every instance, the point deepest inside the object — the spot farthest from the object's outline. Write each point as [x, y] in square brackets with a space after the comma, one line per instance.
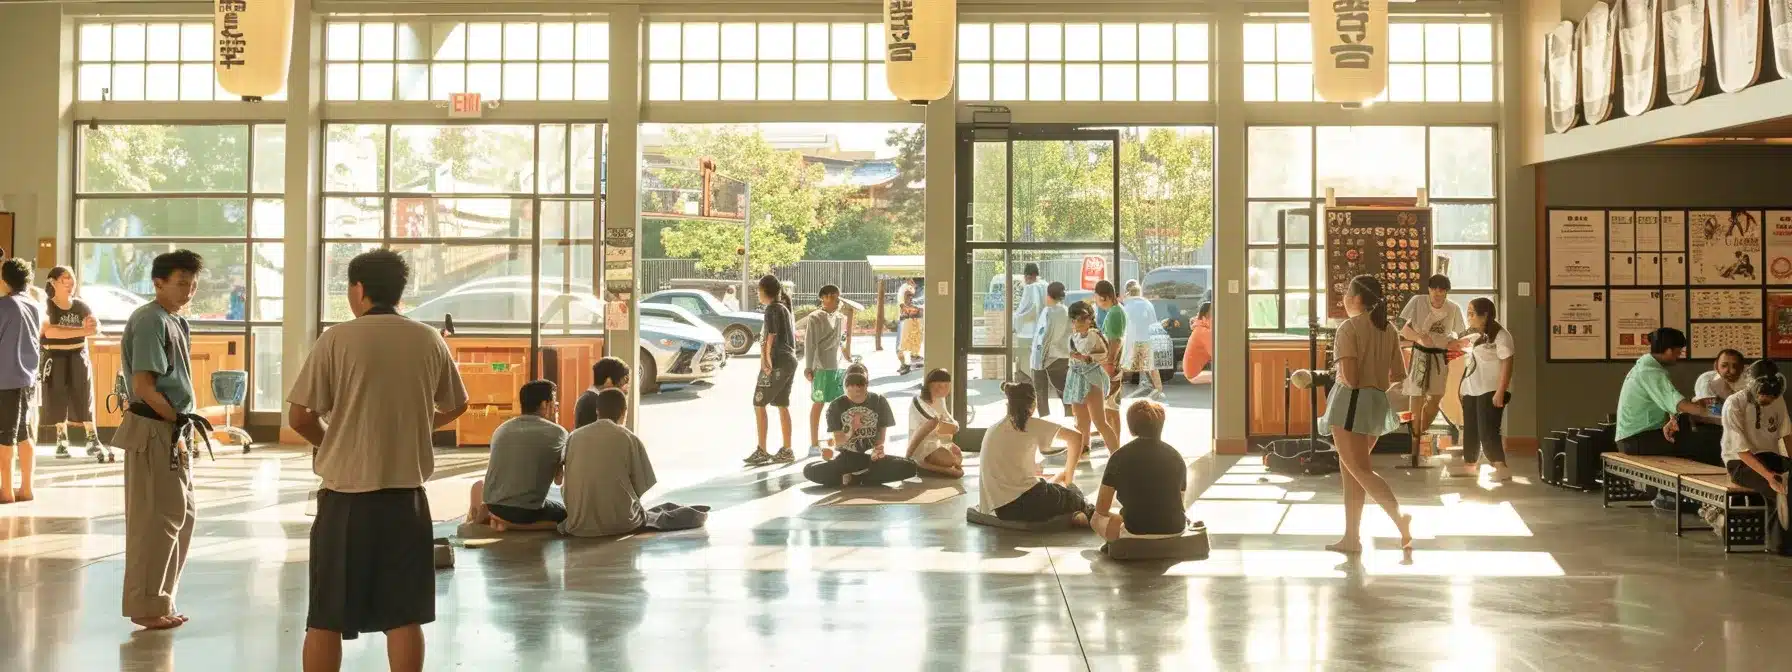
[1577, 248]
[1726, 246]
[1392, 244]
[1636, 313]
[1778, 225]
[1577, 324]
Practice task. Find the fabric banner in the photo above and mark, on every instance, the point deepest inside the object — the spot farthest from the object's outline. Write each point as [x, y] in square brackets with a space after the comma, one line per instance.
[1726, 244]
[1639, 54]
[1576, 248]
[1392, 244]
[1596, 41]
[1562, 77]
[1735, 42]
[1577, 324]
[1683, 49]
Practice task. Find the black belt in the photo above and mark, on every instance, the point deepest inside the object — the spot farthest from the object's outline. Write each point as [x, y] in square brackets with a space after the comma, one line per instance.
[185, 424]
[1430, 354]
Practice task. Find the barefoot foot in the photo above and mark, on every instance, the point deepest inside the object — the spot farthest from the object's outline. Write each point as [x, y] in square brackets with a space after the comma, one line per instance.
[1405, 524]
[24, 495]
[497, 524]
[1345, 548]
[180, 617]
[158, 622]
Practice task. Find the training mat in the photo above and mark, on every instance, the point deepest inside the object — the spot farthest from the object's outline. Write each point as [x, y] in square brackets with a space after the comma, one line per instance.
[906, 492]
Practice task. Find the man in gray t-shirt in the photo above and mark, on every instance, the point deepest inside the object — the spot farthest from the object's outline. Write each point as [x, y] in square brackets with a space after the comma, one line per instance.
[525, 464]
[607, 471]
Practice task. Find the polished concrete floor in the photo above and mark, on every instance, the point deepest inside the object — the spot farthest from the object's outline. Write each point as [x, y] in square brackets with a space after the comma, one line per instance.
[787, 577]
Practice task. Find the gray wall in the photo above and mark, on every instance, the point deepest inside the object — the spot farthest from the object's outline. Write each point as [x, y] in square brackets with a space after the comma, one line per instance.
[1581, 393]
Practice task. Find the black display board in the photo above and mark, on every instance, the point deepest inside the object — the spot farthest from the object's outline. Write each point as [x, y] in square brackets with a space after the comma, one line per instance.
[1391, 243]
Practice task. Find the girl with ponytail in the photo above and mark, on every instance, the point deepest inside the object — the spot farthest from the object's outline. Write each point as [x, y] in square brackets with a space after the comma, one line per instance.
[1367, 351]
[1755, 430]
[1485, 383]
[777, 370]
[68, 384]
[1011, 487]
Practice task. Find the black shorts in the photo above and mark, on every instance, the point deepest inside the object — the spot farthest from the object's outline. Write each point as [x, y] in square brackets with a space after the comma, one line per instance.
[68, 391]
[773, 388]
[15, 416]
[550, 511]
[372, 562]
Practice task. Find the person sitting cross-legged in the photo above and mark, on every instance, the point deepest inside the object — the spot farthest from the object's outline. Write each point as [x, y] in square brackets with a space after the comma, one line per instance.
[607, 472]
[608, 373]
[860, 422]
[526, 457]
[1148, 477]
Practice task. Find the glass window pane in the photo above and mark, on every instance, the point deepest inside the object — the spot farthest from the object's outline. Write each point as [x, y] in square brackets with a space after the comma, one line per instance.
[591, 81]
[593, 42]
[354, 157]
[335, 279]
[1009, 42]
[1441, 42]
[1082, 82]
[519, 81]
[973, 42]
[663, 41]
[95, 81]
[413, 41]
[1045, 82]
[444, 277]
[270, 159]
[877, 82]
[702, 41]
[486, 79]
[662, 81]
[1082, 42]
[144, 158]
[267, 218]
[1477, 83]
[162, 217]
[1191, 82]
[973, 81]
[776, 42]
[1119, 41]
[123, 267]
[737, 42]
[267, 343]
[95, 42]
[195, 81]
[1259, 42]
[1469, 269]
[342, 41]
[1010, 81]
[1157, 82]
[1045, 42]
[270, 275]
[874, 42]
[1191, 41]
[1462, 162]
[584, 148]
[1259, 82]
[413, 81]
[1264, 309]
[1265, 222]
[1294, 42]
[127, 81]
[1406, 42]
[1279, 161]
[342, 81]
[737, 81]
[775, 81]
[1406, 83]
[1157, 42]
[1397, 170]
[195, 42]
[1264, 267]
[485, 41]
[848, 42]
[462, 218]
[162, 41]
[447, 79]
[376, 81]
[849, 82]
[812, 81]
[1294, 82]
[556, 42]
[482, 159]
[1299, 266]
[354, 217]
[811, 42]
[161, 81]
[376, 42]
[1441, 85]
[450, 39]
[1468, 223]
[1477, 43]
[521, 41]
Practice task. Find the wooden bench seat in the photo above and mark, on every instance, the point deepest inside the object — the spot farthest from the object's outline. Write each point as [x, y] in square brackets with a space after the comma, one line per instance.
[1629, 478]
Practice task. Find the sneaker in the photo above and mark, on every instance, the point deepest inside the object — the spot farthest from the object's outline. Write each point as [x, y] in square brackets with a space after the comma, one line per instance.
[1665, 502]
[759, 458]
[1710, 514]
[784, 457]
[1717, 524]
[1158, 396]
[93, 450]
[62, 451]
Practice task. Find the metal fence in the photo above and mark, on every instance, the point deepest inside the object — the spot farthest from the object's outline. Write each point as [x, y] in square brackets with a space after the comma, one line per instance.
[854, 278]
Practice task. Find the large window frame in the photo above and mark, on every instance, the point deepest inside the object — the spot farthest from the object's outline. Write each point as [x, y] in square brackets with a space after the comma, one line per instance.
[579, 66]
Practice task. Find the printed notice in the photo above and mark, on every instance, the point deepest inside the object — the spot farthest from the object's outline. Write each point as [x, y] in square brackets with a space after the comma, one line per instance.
[1577, 248]
[1779, 247]
[1673, 269]
[1673, 309]
[1623, 232]
[1635, 314]
[1648, 269]
[1710, 338]
[1726, 304]
[1577, 324]
[1673, 231]
[1648, 231]
[1779, 325]
[1726, 245]
[1623, 269]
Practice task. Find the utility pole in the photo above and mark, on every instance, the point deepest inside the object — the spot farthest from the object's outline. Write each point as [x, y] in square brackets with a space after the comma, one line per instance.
[746, 245]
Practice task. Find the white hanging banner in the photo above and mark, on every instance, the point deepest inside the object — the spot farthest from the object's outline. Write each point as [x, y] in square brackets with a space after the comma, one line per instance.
[1561, 71]
[920, 48]
[1350, 49]
[253, 45]
[1639, 54]
[1596, 40]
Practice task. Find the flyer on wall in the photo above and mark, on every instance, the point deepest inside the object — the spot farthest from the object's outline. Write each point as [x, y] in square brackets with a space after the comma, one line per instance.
[1673, 268]
[1648, 269]
[1577, 324]
[1779, 325]
[1779, 247]
[1622, 225]
[1673, 309]
[1576, 248]
[1726, 304]
[1725, 247]
[1710, 338]
[1673, 231]
[1623, 269]
[1648, 231]
[1635, 314]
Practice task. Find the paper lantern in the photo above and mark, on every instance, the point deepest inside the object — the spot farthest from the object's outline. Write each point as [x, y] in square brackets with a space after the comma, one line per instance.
[253, 47]
[1350, 49]
[920, 48]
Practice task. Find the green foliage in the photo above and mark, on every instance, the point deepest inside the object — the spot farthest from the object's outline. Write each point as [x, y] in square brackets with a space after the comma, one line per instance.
[860, 230]
[788, 202]
[1166, 194]
[907, 211]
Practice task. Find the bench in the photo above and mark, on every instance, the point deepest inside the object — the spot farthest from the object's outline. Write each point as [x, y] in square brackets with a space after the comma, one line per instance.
[1628, 478]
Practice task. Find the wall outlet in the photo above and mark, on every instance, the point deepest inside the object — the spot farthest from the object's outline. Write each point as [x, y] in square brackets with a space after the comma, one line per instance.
[1232, 286]
[1524, 289]
[944, 288]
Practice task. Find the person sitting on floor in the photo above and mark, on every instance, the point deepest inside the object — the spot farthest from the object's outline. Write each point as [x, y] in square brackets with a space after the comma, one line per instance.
[860, 422]
[526, 456]
[607, 471]
[931, 427]
[1148, 477]
[1012, 488]
[1723, 380]
[1757, 439]
[608, 373]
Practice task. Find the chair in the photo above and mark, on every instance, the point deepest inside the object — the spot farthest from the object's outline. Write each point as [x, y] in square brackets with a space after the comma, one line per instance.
[231, 388]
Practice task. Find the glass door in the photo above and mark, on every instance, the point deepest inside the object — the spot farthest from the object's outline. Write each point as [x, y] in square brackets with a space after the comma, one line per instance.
[1031, 199]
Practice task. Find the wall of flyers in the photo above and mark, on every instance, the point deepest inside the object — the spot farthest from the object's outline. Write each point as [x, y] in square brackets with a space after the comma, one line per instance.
[1708, 272]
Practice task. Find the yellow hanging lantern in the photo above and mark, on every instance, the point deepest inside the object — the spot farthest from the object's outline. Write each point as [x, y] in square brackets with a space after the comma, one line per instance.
[253, 45]
[1350, 49]
[920, 48]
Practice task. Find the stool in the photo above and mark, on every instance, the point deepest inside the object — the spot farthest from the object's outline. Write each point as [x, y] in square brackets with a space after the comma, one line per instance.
[231, 388]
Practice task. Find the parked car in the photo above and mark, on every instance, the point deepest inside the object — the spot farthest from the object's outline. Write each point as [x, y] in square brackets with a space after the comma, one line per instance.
[110, 304]
[1178, 292]
[740, 329]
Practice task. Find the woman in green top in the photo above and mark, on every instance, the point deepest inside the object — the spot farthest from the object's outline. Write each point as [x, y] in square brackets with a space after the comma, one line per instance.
[1113, 326]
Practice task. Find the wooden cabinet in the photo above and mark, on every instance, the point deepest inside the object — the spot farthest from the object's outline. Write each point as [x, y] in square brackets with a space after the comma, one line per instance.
[1271, 361]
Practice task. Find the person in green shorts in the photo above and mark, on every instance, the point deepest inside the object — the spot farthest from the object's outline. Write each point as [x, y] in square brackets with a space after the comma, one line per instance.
[824, 332]
[1113, 326]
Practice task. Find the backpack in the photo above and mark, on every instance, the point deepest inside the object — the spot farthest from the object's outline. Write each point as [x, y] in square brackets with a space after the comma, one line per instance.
[1296, 457]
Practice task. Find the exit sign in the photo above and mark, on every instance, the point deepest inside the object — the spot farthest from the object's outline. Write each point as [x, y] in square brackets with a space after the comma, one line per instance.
[464, 106]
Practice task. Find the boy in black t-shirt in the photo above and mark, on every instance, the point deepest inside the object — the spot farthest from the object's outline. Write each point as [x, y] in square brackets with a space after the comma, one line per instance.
[1148, 477]
[860, 422]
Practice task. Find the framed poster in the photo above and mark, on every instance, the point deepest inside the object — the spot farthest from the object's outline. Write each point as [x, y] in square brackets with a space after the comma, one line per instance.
[1635, 314]
[1577, 248]
[1726, 304]
[1673, 309]
[1725, 247]
[1648, 269]
[1779, 325]
[1577, 324]
[1392, 244]
[1623, 268]
[1673, 231]
[1710, 338]
[1673, 268]
[1622, 227]
[1779, 247]
[1648, 231]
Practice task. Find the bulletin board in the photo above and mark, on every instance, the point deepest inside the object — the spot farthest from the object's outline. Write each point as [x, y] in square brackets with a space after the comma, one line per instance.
[1722, 275]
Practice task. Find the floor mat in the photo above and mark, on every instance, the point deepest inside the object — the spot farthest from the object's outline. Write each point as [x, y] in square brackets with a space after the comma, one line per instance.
[907, 492]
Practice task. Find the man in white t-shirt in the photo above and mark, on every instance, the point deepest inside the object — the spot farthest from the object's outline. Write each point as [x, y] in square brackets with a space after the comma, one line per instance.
[1029, 307]
[1136, 353]
[1433, 324]
[1723, 380]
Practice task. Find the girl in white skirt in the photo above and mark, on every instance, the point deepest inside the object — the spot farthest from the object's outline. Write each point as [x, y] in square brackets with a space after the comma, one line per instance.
[1367, 351]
